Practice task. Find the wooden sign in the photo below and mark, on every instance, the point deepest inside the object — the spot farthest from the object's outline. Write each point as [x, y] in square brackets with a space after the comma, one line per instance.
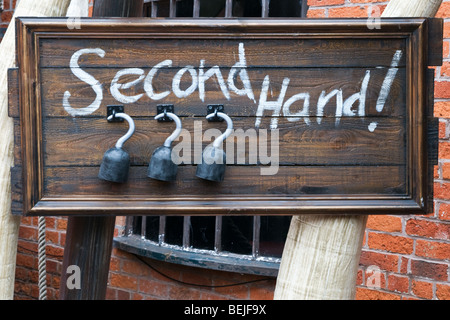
[329, 116]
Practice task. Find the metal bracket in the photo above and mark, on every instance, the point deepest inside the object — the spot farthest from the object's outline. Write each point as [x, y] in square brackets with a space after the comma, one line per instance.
[163, 108]
[213, 108]
[112, 110]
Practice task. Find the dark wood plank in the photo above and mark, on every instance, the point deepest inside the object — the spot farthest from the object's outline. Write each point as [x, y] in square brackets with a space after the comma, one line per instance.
[16, 190]
[88, 247]
[145, 52]
[435, 43]
[13, 92]
[239, 181]
[314, 81]
[82, 141]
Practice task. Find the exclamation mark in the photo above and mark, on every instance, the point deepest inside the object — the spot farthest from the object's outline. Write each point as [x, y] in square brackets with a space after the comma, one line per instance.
[386, 86]
[388, 80]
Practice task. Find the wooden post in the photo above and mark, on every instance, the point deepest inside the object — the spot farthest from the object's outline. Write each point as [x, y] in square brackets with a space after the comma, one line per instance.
[89, 239]
[321, 255]
[9, 224]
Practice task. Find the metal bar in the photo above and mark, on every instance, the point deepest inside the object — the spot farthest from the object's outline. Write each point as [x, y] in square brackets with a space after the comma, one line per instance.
[265, 8]
[186, 231]
[173, 8]
[196, 11]
[154, 13]
[129, 225]
[143, 227]
[256, 234]
[218, 235]
[229, 9]
[162, 230]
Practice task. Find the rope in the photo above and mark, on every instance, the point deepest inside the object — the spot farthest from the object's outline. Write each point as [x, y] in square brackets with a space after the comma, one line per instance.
[42, 260]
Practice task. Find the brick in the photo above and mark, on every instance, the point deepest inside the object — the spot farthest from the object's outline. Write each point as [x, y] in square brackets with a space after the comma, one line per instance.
[261, 293]
[430, 270]
[398, 283]
[183, 293]
[123, 281]
[388, 262]
[27, 221]
[313, 3]
[22, 273]
[123, 295]
[384, 223]
[52, 236]
[444, 10]
[208, 295]
[443, 291]
[192, 275]
[390, 243]
[111, 294]
[316, 13]
[442, 89]
[54, 251]
[348, 12]
[441, 190]
[359, 277]
[444, 211]
[442, 109]
[446, 30]
[446, 49]
[27, 246]
[135, 267]
[6, 16]
[403, 265]
[61, 224]
[422, 289]
[50, 222]
[365, 1]
[152, 287]
[114, 264]
[375, 278]
[28, 233]
[428, 229]
[368, 294]
[237, 292]
[6, 5]
[443, 129]
[444, 150]
[25, 260]
[446, 170]
[445, 69]
[432, 249]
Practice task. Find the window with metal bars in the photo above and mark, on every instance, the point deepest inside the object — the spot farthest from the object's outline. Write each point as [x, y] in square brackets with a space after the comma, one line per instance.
[245, 244]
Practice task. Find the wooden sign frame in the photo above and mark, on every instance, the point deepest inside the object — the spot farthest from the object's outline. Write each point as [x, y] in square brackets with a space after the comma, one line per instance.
[423, 48]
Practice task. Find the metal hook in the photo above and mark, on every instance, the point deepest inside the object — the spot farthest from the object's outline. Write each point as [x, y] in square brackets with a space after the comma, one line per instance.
[131, 129]
[177, 130]
[218, 142]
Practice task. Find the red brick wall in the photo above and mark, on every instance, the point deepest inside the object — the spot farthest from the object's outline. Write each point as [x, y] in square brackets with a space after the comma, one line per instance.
[403, 257]
[407, 257]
